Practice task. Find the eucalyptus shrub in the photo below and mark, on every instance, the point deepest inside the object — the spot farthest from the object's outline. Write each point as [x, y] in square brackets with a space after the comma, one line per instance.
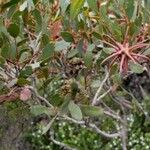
[67, 60]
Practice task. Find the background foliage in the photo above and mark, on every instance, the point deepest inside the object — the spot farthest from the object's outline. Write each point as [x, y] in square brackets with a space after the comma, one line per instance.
[78, 70]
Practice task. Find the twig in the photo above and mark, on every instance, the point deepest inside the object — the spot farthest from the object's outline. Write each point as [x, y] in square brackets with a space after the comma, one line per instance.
[114, 116]
[94, 102]
[61, 144]
[93, 127]
[49, 124]
[38, 96]
[107, 107]
[108, 135]
[29, 33]
[103, 95]
[123, 136]
[124, 130]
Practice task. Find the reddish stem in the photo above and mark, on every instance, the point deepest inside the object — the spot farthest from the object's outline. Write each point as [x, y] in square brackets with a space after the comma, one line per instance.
[113, 40]
[137, 46]
[122, 62]
[139, 55]
[128, 54]
[125, 65]
[113, 61]
[111, 56]
[113, 46]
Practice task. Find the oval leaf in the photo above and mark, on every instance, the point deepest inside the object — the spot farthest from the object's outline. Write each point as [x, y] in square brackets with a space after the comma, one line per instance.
[47, 51]
[108, 50]
[88, 59]
[93, 4]
[136, 68]
[39, 110]
[147, 52]
[61, 45]
[76, 6]
[75, 111]
[13, 30]
[64, 4]
[91, 111]
[67, 36]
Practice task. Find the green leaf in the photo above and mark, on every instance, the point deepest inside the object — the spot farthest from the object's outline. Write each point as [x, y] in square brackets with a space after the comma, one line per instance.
[24, 54]
[88, 59]
[26, 72]
[103, 13]
[145, 96]
[56, 99]
[91, 111]
[116, 78]
[136, 68]
[96, 35]
[2, 61]
[147, 52]
[11, 11]
[147, 4]
[39, 110]
[1, 42]
[91, 47]
[4, 32]
[67, 36]
[22, 82]
[61, 45]
[134, 16]
[47, 51]
[38, 18]
[23, 41]
[45, 24]
[45, 39]
[64, 106]
[64, 4]
[13, 30]
[108, 50]
[130, 8]
[75, 111]
[46, 128]
[72, 53]
[116, 30]
[74, 89]
[136, 26]
[93, 4]
[75, 7]
[9, 52]
[10, 3]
